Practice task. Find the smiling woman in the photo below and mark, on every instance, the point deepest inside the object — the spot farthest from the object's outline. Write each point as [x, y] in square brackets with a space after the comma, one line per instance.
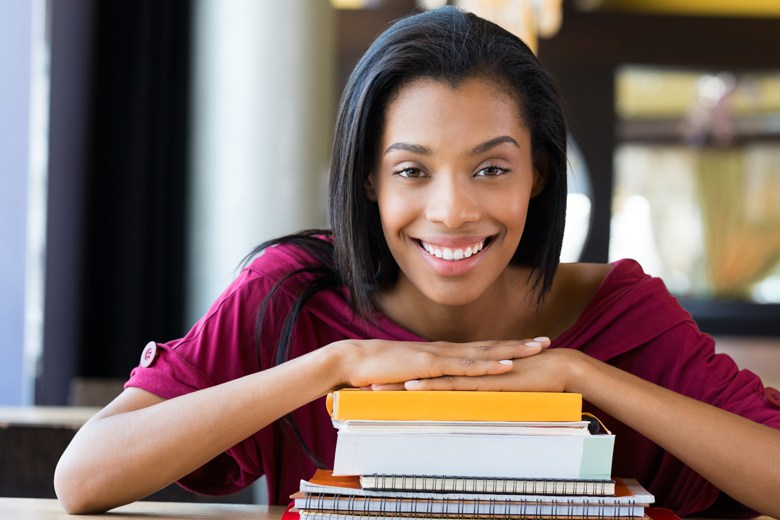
[453, 195]
[441, 272]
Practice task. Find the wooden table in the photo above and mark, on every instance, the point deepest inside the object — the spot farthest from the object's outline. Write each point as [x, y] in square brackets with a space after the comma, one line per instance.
[32, 439]
[49, 509]
[72, 417]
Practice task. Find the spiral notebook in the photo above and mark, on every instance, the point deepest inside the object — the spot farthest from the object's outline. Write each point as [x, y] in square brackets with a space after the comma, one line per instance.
[511, 486]
[326, 494]
[323, 480]
[650, 513]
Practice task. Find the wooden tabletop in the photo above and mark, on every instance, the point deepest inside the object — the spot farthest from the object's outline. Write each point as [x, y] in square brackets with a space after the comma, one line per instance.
[50, 416]
[49, 509]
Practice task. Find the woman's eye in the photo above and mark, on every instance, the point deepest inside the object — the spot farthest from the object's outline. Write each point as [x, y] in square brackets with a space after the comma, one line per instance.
[491, 171]
[409, 173]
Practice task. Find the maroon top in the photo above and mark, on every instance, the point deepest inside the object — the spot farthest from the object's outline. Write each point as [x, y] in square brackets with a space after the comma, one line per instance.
[632, 322]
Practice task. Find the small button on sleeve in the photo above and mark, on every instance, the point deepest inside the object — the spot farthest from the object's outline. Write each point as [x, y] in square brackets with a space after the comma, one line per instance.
[149, 354]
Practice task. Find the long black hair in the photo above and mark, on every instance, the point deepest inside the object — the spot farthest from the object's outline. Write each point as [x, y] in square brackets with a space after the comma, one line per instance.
[445, 44]
[451, 45]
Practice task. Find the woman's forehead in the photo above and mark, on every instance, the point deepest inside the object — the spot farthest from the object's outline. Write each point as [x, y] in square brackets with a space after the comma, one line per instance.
[429, 109]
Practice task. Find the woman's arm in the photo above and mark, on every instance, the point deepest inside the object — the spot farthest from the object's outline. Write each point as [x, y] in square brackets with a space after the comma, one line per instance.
[141, 443]
[739, 456]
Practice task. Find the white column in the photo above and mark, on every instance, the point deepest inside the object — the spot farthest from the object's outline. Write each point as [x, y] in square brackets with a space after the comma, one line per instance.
[263, 105]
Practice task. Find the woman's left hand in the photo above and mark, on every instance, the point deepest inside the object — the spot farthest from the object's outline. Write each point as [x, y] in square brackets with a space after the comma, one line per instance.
[549, 370]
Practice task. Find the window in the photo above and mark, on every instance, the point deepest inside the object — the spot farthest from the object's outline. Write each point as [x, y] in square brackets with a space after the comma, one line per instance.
[696, 197]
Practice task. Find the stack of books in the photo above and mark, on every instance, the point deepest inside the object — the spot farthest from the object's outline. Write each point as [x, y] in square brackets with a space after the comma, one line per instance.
[469, 455]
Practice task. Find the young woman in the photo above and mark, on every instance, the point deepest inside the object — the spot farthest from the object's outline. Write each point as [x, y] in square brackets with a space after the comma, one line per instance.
[447, 202]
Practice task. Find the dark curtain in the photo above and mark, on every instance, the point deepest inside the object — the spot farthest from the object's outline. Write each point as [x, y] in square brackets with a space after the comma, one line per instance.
[136, 183]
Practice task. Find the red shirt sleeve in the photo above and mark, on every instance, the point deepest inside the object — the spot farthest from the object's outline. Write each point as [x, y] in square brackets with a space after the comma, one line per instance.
[635, 324]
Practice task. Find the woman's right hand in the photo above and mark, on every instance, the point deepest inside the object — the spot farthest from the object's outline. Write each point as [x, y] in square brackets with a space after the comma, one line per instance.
[386, 365]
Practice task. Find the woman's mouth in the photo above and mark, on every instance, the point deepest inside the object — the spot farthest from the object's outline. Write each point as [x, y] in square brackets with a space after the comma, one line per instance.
[453, 254]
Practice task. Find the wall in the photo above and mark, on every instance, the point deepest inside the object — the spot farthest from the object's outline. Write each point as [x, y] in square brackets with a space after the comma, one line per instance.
[15, 28]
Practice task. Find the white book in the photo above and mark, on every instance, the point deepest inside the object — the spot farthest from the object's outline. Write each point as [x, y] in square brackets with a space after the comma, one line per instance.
[474, 454]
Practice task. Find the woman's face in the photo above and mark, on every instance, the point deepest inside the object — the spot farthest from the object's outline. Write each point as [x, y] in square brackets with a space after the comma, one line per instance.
[452, 180]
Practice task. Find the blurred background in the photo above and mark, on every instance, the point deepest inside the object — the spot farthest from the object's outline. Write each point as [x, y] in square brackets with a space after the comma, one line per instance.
[147, 145]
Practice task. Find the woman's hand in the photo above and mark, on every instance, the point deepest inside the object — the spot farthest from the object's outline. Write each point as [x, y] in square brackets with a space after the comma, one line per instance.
[550, 370]
[388, 365]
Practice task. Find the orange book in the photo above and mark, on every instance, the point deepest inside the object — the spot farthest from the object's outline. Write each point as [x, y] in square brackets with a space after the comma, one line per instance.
[354, 404]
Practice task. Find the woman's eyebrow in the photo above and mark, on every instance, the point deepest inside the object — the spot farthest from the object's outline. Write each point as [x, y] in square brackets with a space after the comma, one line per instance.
[408, 147]
[487, 145]
[424, 150]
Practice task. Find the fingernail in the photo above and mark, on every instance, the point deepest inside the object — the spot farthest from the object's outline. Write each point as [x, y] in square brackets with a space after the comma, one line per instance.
[542, 338]
[506, 361]
[412, 383]
[532, 344]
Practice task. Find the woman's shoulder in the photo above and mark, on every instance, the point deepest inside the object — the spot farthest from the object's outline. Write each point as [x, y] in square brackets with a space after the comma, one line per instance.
[310, 252]
[621, 303]
[589, 279]
[583, 275]
[579, 287]
[578, 282]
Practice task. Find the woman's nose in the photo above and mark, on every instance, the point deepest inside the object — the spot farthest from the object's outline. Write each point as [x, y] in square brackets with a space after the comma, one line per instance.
[452, 201]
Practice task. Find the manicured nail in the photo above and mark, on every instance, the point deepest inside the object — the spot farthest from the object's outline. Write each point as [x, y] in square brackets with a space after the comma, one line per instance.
[542, 338]
[506, 361]
[412, 383]
[532, 344]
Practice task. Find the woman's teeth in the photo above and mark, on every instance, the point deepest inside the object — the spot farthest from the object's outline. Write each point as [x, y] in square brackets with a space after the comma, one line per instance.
[446, 253]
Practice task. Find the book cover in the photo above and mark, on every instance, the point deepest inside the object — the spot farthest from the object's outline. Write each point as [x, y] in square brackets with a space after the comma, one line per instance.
[517, 456]
[454, 406]
[660, 513]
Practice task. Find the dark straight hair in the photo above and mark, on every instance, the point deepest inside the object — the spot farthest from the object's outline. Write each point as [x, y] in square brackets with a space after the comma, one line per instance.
[445, 44]
[449, 45]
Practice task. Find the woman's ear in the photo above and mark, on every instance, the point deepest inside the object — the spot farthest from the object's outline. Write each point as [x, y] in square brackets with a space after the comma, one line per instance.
[539, 181]
[541, 169]
[368, 184]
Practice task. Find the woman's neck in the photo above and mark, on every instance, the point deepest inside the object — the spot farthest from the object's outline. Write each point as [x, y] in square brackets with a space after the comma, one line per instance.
[508, 310]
